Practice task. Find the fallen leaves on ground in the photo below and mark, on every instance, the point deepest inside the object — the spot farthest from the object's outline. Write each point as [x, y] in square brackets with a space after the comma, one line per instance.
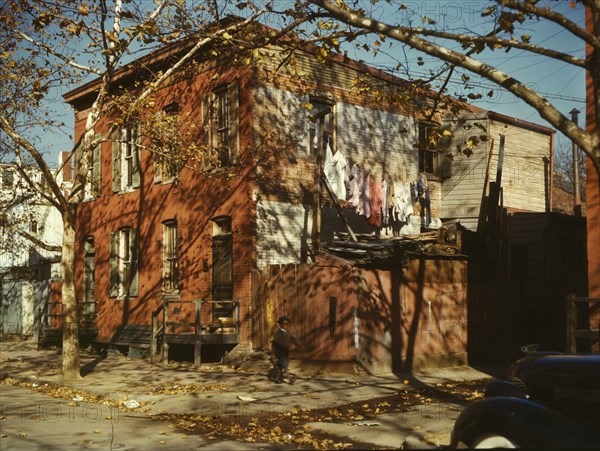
[75, 396]
[178, 389]
[287, 428]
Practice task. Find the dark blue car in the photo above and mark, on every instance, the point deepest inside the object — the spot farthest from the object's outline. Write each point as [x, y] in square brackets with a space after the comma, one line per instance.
[548, 400]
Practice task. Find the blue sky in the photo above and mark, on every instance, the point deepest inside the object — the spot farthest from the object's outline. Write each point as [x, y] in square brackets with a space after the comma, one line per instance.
[564, 85]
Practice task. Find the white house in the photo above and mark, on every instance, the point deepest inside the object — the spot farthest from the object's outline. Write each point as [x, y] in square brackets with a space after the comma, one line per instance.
[26, 269]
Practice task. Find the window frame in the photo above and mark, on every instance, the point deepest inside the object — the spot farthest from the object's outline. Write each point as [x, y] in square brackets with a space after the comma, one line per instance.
[8, 177]
[428, 152]
[170, 247]
[93, 186]
[89, 279]
[124, 263]
[323, 113]
[160, 175]
[126, 154]
[222, 241]
[220, 121]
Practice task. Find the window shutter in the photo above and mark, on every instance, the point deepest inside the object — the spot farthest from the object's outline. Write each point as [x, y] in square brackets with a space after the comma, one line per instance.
[113, 288]
[206, 131]
[157, 169]
[116, 161]
[234, 120]
[137, 175]
[133, 251]
[97, 168]
[78, 155]
[165, 251]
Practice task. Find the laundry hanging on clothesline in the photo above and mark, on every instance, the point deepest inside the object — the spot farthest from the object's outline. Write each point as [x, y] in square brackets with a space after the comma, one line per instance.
[335, 168]
[379, 201]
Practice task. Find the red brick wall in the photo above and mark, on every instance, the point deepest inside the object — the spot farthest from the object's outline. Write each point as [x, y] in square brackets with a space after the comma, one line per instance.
[592, 187]
[193, 203]
[404, 318]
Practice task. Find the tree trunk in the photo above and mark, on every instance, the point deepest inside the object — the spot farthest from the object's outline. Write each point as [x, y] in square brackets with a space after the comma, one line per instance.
[70, 349]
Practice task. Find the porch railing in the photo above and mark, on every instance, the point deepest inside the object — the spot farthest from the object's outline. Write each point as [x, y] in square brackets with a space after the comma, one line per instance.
[573, 332]
[51, 319]
[162, 322]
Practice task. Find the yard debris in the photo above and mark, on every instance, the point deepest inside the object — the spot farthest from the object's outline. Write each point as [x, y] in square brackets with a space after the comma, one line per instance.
[366, 423]
[131, 404]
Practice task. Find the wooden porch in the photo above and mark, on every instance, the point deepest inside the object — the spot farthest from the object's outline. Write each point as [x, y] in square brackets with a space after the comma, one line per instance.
[174, 322]
[51, 324]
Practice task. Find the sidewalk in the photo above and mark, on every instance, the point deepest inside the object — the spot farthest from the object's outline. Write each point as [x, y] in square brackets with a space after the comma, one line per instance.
[217, 390]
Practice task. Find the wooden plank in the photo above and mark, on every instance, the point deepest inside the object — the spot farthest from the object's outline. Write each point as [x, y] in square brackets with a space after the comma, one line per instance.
[197, 329]
[590, 334]
[484, 197]
[336, 204]
[571, 327]
[206, 339]
[165, 345]
[154, 341]
[597, 300]
[571, 344]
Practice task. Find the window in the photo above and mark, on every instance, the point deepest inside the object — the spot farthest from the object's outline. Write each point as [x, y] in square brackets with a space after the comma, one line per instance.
[220, 119]
[124, 263]
[222, 250]
[428, 154]
[96, 181]
[322, 127]
[126, 159]
[166, 168]
[33, 225]
[94, 177]
[434, 141]
[7, 178]
[89, 283]
[170, 257]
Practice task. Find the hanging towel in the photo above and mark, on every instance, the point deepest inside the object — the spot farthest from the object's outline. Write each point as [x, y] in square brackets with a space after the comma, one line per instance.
[375, 189]
[407, 201]
[385, 207]
[329, 168]
[340, 165]
[366, 196]
[358, 191]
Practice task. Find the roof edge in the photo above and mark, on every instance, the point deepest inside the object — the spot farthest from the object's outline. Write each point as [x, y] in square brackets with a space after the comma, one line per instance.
[520, 123]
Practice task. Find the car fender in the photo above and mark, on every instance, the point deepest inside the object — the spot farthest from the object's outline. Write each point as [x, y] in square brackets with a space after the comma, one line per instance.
[526, 422]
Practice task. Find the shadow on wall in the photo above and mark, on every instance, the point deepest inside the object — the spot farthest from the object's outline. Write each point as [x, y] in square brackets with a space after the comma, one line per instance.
[382, 318]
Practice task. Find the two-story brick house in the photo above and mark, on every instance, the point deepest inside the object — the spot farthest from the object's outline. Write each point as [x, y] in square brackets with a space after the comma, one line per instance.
[140, 235]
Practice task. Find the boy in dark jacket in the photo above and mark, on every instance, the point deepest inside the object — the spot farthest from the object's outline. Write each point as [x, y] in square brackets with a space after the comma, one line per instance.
[282, 343]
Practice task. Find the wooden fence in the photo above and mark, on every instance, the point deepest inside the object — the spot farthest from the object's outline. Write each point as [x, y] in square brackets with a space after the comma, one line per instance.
[575, 331]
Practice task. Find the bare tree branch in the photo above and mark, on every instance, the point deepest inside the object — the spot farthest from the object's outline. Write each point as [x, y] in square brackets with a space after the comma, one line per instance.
[588, 142]
[29, 237]
[468, 39]
[553, 16]
[59, 201]
[58, 55]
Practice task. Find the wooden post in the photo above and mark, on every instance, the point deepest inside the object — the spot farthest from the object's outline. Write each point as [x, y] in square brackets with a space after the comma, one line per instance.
[153, 338]
[316, 205]
[197, 333]
[485, 194]
[337, 206]
[237, 316]
[571, 325]
[165, 345]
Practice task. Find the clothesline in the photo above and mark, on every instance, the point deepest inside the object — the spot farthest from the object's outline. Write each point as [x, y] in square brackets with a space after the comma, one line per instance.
[372, 198]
